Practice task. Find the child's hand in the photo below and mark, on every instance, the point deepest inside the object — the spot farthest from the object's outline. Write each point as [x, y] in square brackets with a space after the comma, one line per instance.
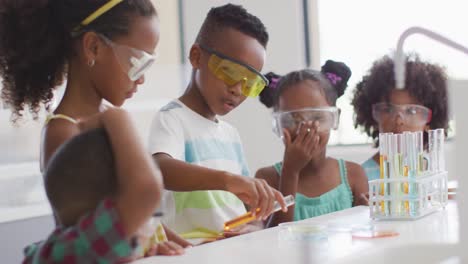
[363, 199]
[172, 236]
[245, 229]
[167, 248]
[299, 152]
[256, 193]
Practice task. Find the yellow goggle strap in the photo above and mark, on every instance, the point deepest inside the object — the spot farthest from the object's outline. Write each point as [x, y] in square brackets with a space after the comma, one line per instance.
[103, 9]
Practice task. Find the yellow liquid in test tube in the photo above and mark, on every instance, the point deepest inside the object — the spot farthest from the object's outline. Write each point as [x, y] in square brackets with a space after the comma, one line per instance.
[382, 171]
[397, 187]
[405, 187]
[249, 217]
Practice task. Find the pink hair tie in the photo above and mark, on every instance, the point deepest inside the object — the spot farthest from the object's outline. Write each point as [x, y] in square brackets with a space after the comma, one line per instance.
[333, 78]
[274, 82]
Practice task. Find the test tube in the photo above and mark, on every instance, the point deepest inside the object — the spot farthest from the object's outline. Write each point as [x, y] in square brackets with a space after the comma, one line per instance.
[249, 217]
[441, 161]
[383, 154]
[395, 159]
[432, 150]
[400, 145]
[393, 173]
[413, 157]
[420, 152]
[406, 165]
[440, 149]
[404, 154]
[383, 166]
[398, 186]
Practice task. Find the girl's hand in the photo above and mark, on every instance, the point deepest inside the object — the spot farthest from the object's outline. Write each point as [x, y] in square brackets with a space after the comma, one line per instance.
[299, 152]
[363, 199]
[174, 237]
[167, 248]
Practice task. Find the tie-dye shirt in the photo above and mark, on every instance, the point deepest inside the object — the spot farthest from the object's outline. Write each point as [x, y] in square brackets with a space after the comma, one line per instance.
[98, 237]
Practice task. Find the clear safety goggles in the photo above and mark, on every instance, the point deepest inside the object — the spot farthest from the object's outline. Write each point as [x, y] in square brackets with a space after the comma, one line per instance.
[327, 117]
[410, 113]
[133, 61]
[232, 72]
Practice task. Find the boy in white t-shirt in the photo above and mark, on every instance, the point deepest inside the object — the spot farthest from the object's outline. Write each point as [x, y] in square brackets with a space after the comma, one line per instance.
[201, 156]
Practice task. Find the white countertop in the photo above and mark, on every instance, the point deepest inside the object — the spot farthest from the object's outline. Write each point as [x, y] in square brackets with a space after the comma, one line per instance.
[265, 247]
[18, 213]
[22, 194]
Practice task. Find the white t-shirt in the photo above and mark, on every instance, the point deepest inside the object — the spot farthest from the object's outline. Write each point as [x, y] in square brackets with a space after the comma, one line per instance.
[187, 136]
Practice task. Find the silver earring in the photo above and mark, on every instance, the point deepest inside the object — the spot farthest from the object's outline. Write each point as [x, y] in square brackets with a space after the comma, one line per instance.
[91, 63]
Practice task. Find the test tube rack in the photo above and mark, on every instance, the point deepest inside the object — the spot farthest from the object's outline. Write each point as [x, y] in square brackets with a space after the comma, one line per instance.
[431, 194]
[413, 183]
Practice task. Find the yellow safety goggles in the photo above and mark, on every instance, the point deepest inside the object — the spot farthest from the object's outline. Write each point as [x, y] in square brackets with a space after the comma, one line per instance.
[232, 72]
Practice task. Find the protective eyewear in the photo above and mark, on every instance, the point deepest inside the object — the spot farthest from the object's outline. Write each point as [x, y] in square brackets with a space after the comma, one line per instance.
[410, 113]
[231, 72]
[133, 61]
[327, 117]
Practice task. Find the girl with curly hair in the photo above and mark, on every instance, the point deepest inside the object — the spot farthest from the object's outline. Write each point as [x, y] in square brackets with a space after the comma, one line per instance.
[380, 108]
[102, 48]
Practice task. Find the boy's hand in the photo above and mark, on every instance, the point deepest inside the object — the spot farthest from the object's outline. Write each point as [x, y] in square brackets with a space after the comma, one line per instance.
[245, 229]
[256, 193]
[299, 152]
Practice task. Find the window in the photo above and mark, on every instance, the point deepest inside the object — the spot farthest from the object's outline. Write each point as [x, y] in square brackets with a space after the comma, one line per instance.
[359, 32]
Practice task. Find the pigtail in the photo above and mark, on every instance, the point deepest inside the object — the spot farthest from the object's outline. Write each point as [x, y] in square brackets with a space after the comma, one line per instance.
[337, 74]
[33, 48]
[268, 95]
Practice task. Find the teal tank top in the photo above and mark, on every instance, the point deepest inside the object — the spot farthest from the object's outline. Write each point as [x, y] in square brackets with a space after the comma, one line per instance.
[339, 198]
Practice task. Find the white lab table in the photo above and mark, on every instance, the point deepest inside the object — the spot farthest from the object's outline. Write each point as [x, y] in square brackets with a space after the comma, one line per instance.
[266, 247]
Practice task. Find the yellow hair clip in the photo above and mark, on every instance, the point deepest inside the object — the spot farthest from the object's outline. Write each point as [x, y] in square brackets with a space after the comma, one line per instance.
[103, 9]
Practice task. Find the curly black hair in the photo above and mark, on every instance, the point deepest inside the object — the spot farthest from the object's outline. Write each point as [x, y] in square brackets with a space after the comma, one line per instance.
[37, 43]
[425, 81]
[231, 16]
[333, 79]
